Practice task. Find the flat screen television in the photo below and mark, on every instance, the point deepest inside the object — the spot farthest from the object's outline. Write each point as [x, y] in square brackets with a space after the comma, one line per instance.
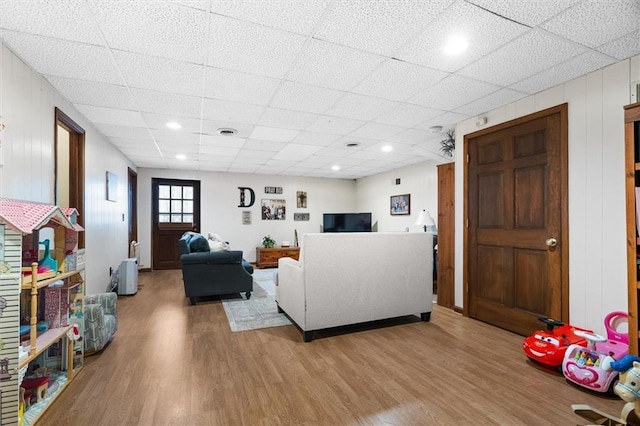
[346, 222]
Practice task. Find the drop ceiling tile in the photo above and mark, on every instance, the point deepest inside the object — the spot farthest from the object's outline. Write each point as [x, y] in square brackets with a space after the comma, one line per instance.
[214, 167]
[219, 151]
[273, 134]
[377, 26]
[296, 152]
[250, 48]
[115, 131]
[148, 163]
[397, 80]
[528, 12]
[331, 65]
[624, 47]
[287, 119]
[364, 155]
[302, 97]
[335, 125]
[261, 145]
[407, 115]
[257, 153]
[575, 67]
[167, 103]
[160, 74]
[195, 4]
[349, 139]
[121, 117]
[222, 141]
[483, 30]
[360, 107]
[448, 120]
[376, 131]
[242, 168]
[92, 93]
[243, 159]
[492, 101]
[63, 58]
[136, 146]
[187, 164]
[289, 15]
[175, 136]
[525, 56]
[67, 20]
[234, 112]
[590, 23]
[314, 138]
[153, 28]
[235, 86]
[452, 92]
[411, 136]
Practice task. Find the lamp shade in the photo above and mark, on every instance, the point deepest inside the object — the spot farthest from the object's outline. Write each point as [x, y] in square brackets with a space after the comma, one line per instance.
[425, 219]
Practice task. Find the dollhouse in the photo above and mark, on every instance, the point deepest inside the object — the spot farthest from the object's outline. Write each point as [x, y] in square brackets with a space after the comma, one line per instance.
[42, 295]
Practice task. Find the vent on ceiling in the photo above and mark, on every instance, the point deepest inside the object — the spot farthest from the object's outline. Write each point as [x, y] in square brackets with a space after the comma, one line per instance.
[225, 131]
[352, 144]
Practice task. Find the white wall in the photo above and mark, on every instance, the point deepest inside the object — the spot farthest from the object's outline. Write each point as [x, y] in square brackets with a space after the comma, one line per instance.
[597, 230]
[220, 213]
[419, 180]
[27, 103]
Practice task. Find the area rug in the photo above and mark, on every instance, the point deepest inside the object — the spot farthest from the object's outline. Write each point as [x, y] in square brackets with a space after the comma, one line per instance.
[260, 311]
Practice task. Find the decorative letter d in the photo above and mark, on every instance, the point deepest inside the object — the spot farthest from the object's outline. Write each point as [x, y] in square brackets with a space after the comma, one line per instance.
[242, 197]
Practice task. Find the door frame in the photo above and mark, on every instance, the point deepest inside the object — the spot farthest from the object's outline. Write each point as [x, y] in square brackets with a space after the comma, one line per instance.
[132, 207]
[562, 110]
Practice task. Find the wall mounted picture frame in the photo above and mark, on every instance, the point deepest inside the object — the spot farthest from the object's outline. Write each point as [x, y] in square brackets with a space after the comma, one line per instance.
[400, 204]
[112, 186]
[246, 217]
[301, 199]
[273, 209]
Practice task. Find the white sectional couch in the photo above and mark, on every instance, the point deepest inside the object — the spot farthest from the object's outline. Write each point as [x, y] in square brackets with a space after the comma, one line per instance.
[349, 278]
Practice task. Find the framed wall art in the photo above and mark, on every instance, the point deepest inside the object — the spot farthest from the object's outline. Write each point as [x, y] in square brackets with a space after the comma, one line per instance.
[273, 209]
[401, 204]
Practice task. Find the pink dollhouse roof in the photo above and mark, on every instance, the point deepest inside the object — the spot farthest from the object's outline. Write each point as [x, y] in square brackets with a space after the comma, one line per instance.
[72, 214]
[25, 217]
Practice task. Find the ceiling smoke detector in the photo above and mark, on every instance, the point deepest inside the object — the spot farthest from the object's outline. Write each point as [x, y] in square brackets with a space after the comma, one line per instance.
[225, 131]
[352, 144]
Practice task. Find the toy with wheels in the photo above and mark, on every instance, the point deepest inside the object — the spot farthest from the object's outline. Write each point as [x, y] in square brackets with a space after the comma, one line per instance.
[590, 367]
[548, 346]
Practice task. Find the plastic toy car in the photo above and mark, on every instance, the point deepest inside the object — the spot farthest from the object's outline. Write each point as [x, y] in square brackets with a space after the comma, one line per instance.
[549, 346]
[589, 367]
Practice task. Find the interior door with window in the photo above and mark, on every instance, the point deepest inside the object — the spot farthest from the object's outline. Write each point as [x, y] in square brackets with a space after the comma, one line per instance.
[176, 209]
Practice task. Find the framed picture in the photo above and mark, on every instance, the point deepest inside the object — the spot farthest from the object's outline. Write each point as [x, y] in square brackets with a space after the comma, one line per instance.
[112, 186]
[246, 217]
[401, 204]
[273, 209]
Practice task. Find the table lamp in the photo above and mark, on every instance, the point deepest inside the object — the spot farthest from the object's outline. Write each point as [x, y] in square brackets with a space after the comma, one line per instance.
[425, 220]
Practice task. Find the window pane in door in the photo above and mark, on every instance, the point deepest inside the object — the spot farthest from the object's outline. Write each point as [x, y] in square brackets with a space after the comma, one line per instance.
[176, 192]
[163, 218]
[176, 218]
[187, 206]
[163, 191]
[176, 206]
[163, 206]
[187, 192]
[187, 218]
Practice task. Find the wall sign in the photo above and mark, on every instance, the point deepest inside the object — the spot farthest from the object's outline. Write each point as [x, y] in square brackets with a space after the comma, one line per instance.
[243, 197]
[301, 216]
[273, 190]
[246, 217]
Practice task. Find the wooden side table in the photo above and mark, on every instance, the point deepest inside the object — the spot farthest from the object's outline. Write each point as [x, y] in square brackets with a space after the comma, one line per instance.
[268, 257]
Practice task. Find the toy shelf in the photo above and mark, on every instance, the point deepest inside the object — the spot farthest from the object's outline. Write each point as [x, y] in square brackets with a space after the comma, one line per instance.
[44, 341]
[48, 279]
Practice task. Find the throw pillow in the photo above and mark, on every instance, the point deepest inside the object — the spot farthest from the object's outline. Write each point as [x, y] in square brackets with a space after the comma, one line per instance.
[218, 245]
[198, 243]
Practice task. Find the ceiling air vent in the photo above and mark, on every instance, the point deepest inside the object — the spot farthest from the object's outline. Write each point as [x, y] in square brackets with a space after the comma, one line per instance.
[225, 131]
[352, 144]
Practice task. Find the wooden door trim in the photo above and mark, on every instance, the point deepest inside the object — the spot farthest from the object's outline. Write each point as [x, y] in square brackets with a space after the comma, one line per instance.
[132, 201]
[562, 110]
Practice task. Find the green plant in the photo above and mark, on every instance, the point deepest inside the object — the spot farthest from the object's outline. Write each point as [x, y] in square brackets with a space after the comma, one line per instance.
[268, 242]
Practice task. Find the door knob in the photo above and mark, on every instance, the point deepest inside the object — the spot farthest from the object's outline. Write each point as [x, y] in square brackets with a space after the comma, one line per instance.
[551, 242]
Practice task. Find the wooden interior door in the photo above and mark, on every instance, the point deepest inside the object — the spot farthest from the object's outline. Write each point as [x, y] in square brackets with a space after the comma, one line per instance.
[176, 209]
[446, 235]
[516, 238]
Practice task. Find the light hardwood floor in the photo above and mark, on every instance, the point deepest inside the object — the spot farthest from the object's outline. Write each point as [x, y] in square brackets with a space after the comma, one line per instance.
[175, 364]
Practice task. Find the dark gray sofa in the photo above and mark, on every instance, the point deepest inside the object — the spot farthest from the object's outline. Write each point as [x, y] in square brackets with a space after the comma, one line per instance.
[207, 273]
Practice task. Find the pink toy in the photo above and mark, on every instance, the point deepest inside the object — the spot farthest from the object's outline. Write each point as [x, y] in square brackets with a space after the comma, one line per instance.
[589, 367]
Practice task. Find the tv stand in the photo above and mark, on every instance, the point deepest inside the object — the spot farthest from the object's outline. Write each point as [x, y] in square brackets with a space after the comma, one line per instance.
[268, 257]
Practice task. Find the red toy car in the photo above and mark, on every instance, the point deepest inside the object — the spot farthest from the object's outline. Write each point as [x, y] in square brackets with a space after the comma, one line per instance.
[548, 346]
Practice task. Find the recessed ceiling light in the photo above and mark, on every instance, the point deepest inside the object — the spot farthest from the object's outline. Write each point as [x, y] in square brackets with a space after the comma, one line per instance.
[352, 144]
[455, 45]
[387, 148]
[173, 125]
[335, 168]
[225, 131]
[181, 157]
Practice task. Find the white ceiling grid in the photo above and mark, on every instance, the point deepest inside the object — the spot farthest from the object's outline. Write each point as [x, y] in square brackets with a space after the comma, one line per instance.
[301, 79]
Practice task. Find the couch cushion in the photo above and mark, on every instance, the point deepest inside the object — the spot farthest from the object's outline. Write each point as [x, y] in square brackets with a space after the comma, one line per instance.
[198, 243]
[183, 244]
